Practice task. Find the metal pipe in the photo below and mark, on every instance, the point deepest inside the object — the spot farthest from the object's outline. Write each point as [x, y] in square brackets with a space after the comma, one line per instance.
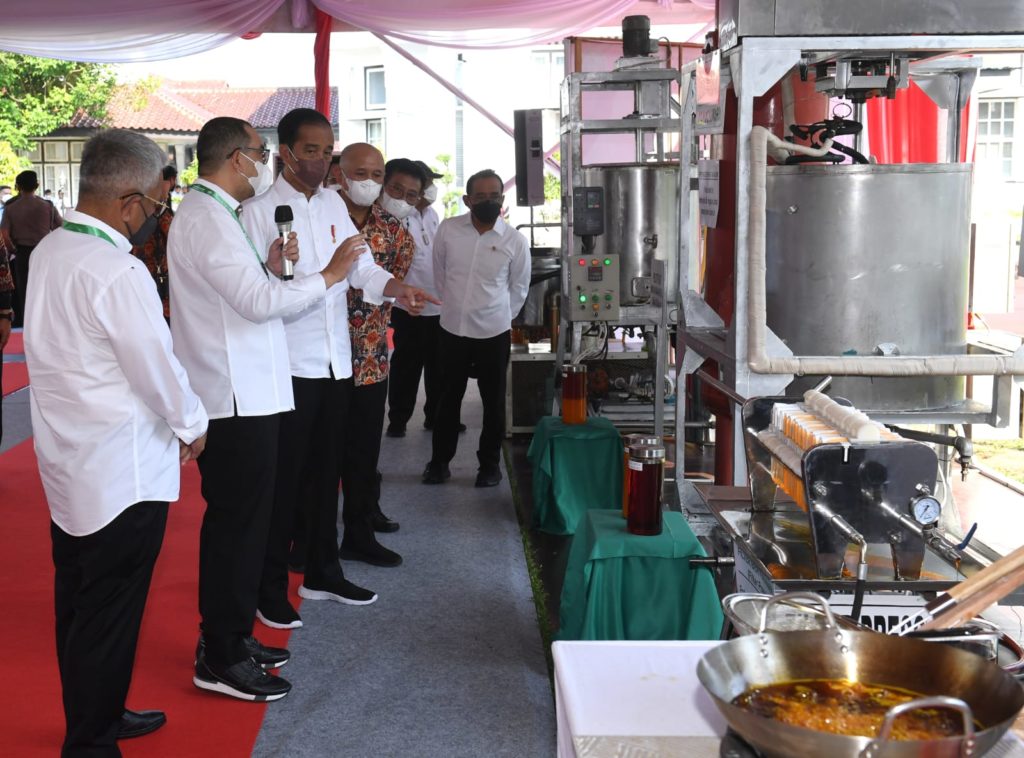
[726, 390]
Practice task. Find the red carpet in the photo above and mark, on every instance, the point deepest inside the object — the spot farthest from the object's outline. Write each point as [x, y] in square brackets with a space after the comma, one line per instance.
[15, 377]
[31, 719]
[16, 344]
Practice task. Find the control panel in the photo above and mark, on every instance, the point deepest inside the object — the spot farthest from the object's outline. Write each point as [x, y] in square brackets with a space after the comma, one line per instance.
[588, 211]
[593, 288]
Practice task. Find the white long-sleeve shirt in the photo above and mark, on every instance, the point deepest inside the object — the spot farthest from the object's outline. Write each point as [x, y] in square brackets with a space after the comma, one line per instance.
[226, 310]
[423, 228]
[482, 279]
[318, 336]
[109, 400]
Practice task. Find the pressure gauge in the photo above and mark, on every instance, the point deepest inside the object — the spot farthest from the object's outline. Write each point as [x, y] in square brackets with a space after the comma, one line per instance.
[925, 509]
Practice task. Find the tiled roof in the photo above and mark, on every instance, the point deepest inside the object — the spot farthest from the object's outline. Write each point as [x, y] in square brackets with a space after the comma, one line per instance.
[186, 106]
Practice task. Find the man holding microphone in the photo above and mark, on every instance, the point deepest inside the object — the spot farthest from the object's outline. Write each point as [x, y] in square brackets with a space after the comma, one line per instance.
[320, 354]
[228, 305]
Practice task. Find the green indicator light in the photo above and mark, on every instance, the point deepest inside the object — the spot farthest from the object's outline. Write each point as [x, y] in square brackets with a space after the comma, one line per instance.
[607, 297]
[583, 298]
[594, 298]
[607, 261]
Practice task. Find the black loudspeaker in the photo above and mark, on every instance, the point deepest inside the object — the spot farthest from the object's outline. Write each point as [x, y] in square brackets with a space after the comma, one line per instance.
[529, 157]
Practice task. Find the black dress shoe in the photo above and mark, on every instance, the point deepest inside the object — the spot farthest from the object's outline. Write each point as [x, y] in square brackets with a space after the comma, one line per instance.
[267, 657]
[375, 554]
[436, 474]
[394, 430]
[488, 476]
[138, 723]
[245, 680]
[382, 523]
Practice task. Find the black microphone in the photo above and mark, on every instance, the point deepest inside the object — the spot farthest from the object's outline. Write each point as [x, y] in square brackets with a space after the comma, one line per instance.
[283, 218]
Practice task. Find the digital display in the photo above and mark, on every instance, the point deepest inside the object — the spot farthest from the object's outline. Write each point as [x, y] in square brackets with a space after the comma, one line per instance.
[595, 274]
[593, 199]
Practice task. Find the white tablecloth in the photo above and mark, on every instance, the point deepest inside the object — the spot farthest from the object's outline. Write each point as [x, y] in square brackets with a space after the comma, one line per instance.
[633, 698]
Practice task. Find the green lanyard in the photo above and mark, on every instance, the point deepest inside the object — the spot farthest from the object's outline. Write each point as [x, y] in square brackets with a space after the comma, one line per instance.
[234, 215]
[71, 226]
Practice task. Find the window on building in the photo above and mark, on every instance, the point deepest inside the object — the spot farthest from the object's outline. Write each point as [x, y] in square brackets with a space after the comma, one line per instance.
[995, 136]
[375, 133]
[549, 68]
[376, 92]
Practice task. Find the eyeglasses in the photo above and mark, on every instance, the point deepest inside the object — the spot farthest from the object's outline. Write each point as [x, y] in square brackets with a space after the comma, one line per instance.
[263, 150]
[494, 197]
[397, 191]
[159, 206]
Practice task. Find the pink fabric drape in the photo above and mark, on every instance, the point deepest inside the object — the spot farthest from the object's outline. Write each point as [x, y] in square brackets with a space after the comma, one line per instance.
[119, 31]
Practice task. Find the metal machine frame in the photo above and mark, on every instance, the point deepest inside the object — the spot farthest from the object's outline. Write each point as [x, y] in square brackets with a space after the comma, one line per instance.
[652, 88]
[755, 64]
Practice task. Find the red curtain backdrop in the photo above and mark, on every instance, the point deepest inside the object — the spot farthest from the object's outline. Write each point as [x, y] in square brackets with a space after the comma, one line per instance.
[321, 59]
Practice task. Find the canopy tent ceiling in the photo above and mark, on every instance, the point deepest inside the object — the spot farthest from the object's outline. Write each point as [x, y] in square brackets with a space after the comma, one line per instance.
[127, 30]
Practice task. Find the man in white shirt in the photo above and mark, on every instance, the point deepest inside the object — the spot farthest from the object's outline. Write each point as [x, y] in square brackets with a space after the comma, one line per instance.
[482, 273]
[228, 333]
[320, 352]
[415, 337]
[112, 416]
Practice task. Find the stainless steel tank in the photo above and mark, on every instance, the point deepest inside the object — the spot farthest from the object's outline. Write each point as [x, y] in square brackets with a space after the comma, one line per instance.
[870, 260]
[641, 223]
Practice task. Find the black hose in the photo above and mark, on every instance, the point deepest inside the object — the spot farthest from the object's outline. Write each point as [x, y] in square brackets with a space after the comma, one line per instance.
[858, 600]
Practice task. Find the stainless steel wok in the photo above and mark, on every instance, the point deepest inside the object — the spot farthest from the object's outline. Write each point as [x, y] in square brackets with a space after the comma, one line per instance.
[966, 682]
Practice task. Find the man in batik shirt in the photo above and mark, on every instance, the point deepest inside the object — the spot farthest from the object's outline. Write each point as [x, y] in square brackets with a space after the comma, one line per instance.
[377, 213]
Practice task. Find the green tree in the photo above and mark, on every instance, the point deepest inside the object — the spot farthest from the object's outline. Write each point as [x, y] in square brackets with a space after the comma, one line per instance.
[190, 174]
[38, 95]
[450, 196]
[11, 164]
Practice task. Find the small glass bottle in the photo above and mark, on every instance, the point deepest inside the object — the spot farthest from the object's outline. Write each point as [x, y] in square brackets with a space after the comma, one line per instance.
[628, 441]
[574, 393]
[646, 479]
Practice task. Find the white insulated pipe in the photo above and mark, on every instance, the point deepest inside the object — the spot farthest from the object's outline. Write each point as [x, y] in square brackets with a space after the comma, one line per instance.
[855, 365]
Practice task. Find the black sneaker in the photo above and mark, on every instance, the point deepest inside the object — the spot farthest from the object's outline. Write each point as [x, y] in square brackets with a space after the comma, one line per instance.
[245, 680]
[395, 430]
[435, 474]
[267, 657]
[488, 476]
[342, 591]
[374, 553]
[281, 616]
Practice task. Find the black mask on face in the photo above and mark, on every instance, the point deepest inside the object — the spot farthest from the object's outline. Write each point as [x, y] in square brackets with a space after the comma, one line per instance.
[141, 236]
[487, 211]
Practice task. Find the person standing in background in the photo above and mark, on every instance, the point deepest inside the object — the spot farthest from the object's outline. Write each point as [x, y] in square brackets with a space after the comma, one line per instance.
[415, 337]
[113, 416]
[154, 252]
[482, 273]
[6, 311]
[376, 214]
[27, 219]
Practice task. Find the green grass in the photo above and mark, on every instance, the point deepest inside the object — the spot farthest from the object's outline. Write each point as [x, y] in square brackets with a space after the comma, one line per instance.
[1005, 457]
[540, 594]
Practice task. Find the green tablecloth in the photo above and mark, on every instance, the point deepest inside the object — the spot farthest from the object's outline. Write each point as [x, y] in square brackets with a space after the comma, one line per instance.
[575, 467]
[621, 586]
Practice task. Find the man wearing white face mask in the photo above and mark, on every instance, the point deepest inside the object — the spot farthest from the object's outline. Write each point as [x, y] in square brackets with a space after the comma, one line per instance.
[378, 216]
[228, 334]
[416, 337]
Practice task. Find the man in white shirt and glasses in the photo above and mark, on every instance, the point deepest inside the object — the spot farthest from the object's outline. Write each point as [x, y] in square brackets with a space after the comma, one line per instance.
[320, 354]
[228, 332]
[482, 274]
[112, 416]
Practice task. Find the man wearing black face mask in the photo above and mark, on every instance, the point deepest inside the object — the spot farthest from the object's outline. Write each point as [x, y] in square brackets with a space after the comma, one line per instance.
[112, 414]
[482, 274]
